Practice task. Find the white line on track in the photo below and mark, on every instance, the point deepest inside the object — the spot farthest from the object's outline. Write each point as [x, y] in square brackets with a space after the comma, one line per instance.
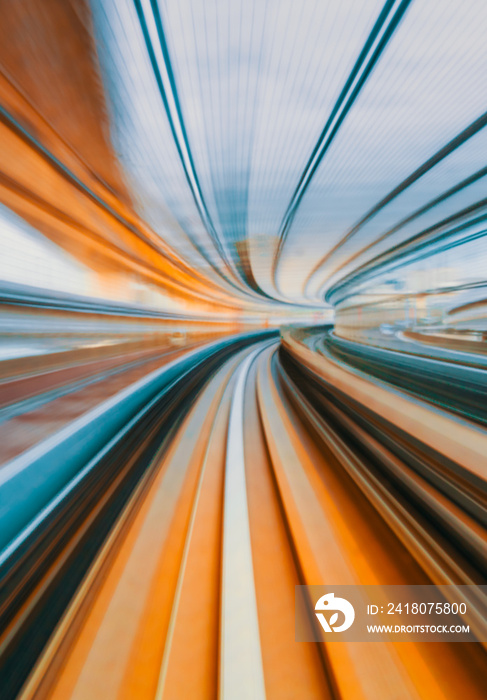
[241, 670]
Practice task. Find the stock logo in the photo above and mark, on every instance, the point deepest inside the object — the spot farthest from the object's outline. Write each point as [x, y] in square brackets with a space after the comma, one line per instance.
[328, 603]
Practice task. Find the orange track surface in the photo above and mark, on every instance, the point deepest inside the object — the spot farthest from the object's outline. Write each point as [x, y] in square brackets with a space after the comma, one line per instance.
[150, 619]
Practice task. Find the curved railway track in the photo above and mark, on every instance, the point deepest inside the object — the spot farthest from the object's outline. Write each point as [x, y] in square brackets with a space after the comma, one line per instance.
[169, 571]
[459, 388]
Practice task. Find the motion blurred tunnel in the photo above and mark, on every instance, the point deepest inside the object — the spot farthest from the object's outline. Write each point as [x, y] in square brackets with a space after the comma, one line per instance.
[243, 349]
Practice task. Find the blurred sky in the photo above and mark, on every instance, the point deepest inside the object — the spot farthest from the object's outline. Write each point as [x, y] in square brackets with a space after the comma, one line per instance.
[216, 107]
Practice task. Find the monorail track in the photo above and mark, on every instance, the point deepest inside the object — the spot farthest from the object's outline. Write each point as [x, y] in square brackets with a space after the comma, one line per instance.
[170, 572]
